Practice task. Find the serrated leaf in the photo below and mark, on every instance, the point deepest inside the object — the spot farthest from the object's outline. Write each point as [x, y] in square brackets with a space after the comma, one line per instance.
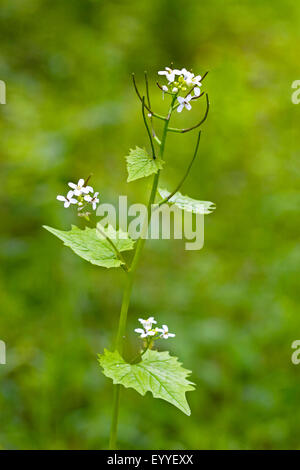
[92, 246]
[186, 203]
[158, 373]
[140, 164]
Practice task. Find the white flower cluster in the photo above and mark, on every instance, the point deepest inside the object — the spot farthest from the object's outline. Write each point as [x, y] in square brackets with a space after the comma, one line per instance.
[82, 194]
[181, 80]
[155, 333]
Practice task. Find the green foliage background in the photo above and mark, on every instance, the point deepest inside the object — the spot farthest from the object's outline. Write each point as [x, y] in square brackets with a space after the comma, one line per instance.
[70, 111]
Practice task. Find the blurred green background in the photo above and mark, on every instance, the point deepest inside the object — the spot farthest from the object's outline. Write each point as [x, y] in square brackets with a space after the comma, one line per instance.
[71, 110]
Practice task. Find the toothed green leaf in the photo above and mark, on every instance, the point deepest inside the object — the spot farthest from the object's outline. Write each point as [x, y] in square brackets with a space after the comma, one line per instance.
[140, 164]
[186, 203]
[158, 373]
[90, 245]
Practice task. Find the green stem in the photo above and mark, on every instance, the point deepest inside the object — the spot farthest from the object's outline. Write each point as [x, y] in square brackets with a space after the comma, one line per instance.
[129, 283]
[114, 423]
[149, 344]
[165, 129]
[131, 274]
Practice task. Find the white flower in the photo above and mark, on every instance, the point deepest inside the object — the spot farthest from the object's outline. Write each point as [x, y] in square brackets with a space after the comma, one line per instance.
[169, 73]
[92, 200]
[165, 332]
[186, 74]
[190, 77]
[145, 332]
[147, 329]
[68, 199]
[147, 324]
[184, 103]
[192, 80]
[142, 332]
[196, 80]
[79, 188]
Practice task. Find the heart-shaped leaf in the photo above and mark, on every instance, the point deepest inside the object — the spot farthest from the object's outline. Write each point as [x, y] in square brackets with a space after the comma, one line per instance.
[140, 164]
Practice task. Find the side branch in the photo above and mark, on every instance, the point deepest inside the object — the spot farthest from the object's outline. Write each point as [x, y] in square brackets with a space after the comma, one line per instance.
[147, 127]
[149, 102]
[147, 89]
[141, 99]
[185, 175]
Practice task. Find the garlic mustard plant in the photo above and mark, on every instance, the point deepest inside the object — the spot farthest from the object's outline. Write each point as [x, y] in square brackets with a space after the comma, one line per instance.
[106, 246]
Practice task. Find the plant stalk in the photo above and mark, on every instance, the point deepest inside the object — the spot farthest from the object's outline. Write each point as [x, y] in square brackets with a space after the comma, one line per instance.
[129, 284]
